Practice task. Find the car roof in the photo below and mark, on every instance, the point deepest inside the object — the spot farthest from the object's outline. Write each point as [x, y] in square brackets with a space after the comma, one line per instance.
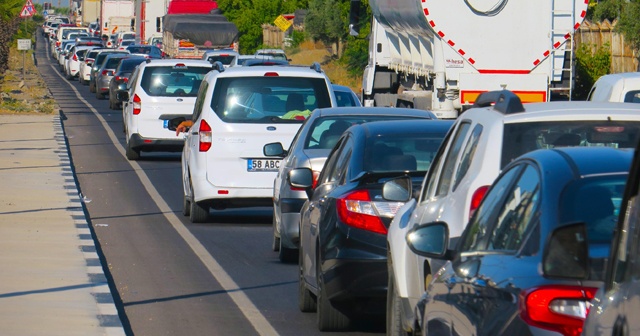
[374, 128]
[172, 62]
[581, 159]
[369, 110]
[221, 52]
[282, 70]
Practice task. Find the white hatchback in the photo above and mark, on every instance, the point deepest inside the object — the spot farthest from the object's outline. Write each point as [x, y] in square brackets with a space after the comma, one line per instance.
[158, 92]
[238, 110]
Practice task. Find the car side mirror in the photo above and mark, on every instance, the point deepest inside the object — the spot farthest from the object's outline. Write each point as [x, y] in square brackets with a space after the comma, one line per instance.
[430, 240]
[301, 178]
[397, 189]
[566, 254]
[274, 149]
[122, 95]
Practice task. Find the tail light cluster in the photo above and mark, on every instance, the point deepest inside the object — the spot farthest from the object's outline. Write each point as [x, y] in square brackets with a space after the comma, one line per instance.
[137, 104]
[477, 197]
[558, 308]
[357, 210]
[121, 79]
[75, 58]
[205, 136]
[107, 72]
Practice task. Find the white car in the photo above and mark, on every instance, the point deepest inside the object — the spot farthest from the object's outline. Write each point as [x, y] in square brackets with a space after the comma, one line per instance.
[482, 142]
[76, 57]
[226, 57]
[620, 87]
[238, 110]
[275, 53]
[84, 71]
[159, 91]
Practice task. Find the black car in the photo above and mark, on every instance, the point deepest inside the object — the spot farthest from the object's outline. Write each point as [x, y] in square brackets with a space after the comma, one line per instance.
[343, 225]
[121, 77]
[145, 50]
[533, 254]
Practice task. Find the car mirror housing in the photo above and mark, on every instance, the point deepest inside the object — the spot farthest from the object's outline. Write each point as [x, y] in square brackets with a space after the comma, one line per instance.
[397, 189]
[301, 178]
[430, 240]
[274, 149]
[566, 254]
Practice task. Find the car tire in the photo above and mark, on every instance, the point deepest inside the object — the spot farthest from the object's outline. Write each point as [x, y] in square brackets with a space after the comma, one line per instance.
[99, 95]
[186, 205]
[275, 244]
[306, 300]
[131, 153]
[92, 87]
[394, 309]
[287, 255]
[328, 317]
[197, 213]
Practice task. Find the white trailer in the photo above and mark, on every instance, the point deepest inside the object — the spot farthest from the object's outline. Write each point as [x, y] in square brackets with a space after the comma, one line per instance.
[149, 15]
[90, 11]
[116, 16]
[441, 54]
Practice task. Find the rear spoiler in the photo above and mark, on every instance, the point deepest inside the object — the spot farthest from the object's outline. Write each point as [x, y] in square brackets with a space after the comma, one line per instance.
[368, 176]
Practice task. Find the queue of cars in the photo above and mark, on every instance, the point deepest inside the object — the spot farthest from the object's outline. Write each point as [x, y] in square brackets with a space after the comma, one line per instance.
[486, 225]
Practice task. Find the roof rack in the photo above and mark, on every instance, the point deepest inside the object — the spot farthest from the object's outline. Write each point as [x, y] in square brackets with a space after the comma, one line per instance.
[503, 101]
[217, 65]
[316, 66]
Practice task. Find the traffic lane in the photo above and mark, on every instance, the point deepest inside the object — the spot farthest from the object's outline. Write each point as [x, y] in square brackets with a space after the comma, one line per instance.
[163, 286]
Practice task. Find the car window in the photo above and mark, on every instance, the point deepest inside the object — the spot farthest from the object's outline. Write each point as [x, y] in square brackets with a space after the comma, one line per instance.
[519, 213]
[183, 81]
[345, 98]
[339, 172]
[479, 228]
[268, 99]
[521, 138]
[428, 186]
[632, 97]
[450, 161]
[112, 62]
[202, 92]
[401, 152]
[329, 167]
[226, 59]
[467, 155]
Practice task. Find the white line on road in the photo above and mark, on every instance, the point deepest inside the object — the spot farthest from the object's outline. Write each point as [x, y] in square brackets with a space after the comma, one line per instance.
[250, 311]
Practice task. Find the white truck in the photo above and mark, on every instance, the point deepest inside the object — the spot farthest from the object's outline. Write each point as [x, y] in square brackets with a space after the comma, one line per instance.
[149, 15]
[441, 54]
[90, 11]
[117, 16]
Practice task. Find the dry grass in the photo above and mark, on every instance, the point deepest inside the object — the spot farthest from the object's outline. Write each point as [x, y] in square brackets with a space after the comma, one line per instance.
[309, 52]
[30, 96]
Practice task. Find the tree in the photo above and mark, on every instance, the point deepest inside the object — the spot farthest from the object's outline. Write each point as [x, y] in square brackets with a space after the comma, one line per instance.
[9, 21]
[325, 22]
[627, 12]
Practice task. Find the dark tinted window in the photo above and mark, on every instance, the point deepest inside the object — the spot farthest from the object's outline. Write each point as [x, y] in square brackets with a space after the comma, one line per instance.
[225, 59]
[268, 99]
[596, 202]
[632, 97]
[173, 81]
[446, 175]
[401, 152]
[525, 137]
[112, 62]
[345, 98]
[92, 54]
[467, 155]
[127, 65]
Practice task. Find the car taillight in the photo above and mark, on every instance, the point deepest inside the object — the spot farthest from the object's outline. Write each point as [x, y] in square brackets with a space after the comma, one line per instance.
[558, 308]
[476, 199]
[57, 43]
[125, 79]
[137, 105]
[204, 134]
[75, 57]
[357, 210]
[271, 74]
[315, 181]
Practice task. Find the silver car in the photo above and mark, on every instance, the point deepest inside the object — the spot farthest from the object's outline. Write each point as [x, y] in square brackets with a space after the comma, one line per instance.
[105, 73]
[310, 148]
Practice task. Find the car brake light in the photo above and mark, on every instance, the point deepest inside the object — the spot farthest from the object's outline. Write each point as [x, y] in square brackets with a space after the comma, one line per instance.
[204, 134]
[558, 308]
[357, 210]
[75, 57]
[271, 74]
[476, 199]
[137, 104]
[57, 43]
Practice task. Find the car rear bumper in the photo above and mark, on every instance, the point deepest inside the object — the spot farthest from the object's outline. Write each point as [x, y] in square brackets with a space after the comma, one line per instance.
[358, 284]
[152, 145]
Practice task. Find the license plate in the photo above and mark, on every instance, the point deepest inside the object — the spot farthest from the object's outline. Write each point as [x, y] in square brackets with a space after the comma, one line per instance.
[254, 165]
[165, 123]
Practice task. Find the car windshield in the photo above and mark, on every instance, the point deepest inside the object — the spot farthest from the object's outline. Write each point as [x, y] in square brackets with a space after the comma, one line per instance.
[92, 54]
[521, 138]
[268, 99]
[400, 152]
[112, 62]
[128, 65]
[596, 202]
[183, 81]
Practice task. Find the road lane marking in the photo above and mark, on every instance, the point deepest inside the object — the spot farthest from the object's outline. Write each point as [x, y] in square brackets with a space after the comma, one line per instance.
[242, 301]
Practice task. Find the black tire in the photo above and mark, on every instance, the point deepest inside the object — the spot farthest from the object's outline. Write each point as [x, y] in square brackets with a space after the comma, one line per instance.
[197, 213]
[328, 317]
[306, 300]
[287, 255]
[394, 308]
[186, 205]
[275, 244]
[131, 153]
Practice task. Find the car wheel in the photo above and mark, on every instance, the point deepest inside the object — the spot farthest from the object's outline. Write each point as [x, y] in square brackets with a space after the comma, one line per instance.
[287, 255]
[306, 300]
[99, 95]
[197, 213]
[394, 310]
[275, 245]
[186, 205]
[131, 153]
[328, 317]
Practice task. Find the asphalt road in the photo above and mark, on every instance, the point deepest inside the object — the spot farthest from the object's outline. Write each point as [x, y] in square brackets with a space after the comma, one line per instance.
[173, 277]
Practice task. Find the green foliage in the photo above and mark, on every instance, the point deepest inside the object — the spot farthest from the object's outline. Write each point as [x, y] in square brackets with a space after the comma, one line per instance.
[607, 9]
[356, 52]
[325, 21]
[591, 63]
[297, 37]
[629, 24]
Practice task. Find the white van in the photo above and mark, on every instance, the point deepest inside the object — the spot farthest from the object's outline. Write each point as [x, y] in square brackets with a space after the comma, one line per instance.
[621, 87]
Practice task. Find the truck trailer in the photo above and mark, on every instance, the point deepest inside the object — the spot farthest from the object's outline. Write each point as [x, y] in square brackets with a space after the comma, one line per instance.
[90, 11]
[117, 16]
[441, 54]
[191, 35]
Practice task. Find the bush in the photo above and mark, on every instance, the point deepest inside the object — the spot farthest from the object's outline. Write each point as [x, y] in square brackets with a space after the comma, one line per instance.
[592, 62]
